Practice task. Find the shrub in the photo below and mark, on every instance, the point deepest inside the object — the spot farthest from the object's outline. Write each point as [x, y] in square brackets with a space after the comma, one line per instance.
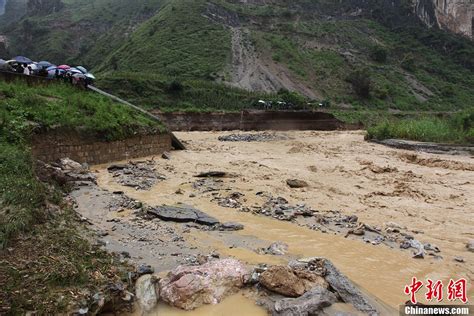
[361, 82]
[378, 54]
[175, 87]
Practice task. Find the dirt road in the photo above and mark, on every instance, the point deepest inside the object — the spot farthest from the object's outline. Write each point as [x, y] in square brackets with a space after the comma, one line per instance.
[428, 196]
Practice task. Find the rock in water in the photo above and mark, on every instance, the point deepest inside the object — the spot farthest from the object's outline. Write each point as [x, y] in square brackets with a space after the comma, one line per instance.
[470, 245]
[344, 287]
[212, 174]
[230, 226]
[182, 215]
[146, 292]
[277, 249]
[309, 304]
[289, 282]
[295, 184]
[190, 287]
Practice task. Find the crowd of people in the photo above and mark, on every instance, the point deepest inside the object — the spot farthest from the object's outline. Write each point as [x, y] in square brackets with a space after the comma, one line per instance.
[78, 75]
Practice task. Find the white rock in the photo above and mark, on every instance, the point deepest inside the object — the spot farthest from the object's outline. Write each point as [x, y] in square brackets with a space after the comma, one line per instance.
[146, 292]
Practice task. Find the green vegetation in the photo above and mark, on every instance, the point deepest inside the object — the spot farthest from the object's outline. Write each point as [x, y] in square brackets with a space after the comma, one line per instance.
[177, 42]
[46, 265]
[25, 110]
[458, 128]
[157, 92]
[409, 67]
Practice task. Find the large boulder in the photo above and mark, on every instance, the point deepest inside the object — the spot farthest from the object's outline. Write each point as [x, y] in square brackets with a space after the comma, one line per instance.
[290, 282]
[146, 292]
[190, 287]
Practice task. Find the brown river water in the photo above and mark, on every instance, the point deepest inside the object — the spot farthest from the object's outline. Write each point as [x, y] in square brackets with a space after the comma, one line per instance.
[433, 195]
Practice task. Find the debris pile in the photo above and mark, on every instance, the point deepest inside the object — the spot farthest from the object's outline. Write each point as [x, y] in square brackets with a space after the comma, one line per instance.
[258, 137]
[230, 201]
[122, 202]
[66, 171]
[140, 175]
[281, 209]
[309, 286]
[206, 185]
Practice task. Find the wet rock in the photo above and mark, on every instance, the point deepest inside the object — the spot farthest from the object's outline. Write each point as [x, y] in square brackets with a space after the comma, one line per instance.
[146, 292]
[338, 282]
[125, 254]
[68, 164]
[359, 231]
[143, 269]
[191, 287]
[351, 219]
[182, 215]
[117, 167]
[295, 184]
[419, 252]
[230, 226]
[470, 245]
[430, 247]
[290, 282]
[310, 303]
[65, 171]
[277, 249]
[282, 280]
[212, 174]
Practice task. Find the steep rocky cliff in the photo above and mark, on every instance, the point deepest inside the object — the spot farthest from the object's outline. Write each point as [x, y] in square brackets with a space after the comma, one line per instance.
[454, 15]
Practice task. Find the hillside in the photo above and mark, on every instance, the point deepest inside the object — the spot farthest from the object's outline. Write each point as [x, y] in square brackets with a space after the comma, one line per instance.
[48, 262]
[355, 54]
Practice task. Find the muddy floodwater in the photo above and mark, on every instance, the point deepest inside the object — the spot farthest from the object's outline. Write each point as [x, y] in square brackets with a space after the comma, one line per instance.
[431, 196]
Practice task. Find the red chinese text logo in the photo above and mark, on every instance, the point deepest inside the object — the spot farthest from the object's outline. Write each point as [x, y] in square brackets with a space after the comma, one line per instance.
[456, 290]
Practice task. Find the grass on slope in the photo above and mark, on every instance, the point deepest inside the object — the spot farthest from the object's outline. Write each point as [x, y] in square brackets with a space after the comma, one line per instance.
[83, 32]
[24, 109]
[177, 42]
[458, 128]
[46, 265]
[167, 94]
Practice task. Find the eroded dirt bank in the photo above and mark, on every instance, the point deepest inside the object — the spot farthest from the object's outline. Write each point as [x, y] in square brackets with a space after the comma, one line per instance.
[424, 196]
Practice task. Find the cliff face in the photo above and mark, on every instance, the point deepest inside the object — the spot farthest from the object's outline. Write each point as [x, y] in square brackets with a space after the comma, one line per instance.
[454, 15]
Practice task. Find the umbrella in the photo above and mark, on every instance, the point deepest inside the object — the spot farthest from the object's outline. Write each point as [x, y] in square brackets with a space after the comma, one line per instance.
[82, 69]
[51, 68]
[3, 61]
[6, 66]
[65, 67]
[52, 72]
[90, 76]
[74, 71]
[45, 64]
[22, 59]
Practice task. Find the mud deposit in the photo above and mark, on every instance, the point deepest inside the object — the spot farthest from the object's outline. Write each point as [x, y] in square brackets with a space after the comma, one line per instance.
[361, 204]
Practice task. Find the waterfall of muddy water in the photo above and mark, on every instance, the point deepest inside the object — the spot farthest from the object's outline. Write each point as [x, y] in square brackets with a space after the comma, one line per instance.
[433, 199]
